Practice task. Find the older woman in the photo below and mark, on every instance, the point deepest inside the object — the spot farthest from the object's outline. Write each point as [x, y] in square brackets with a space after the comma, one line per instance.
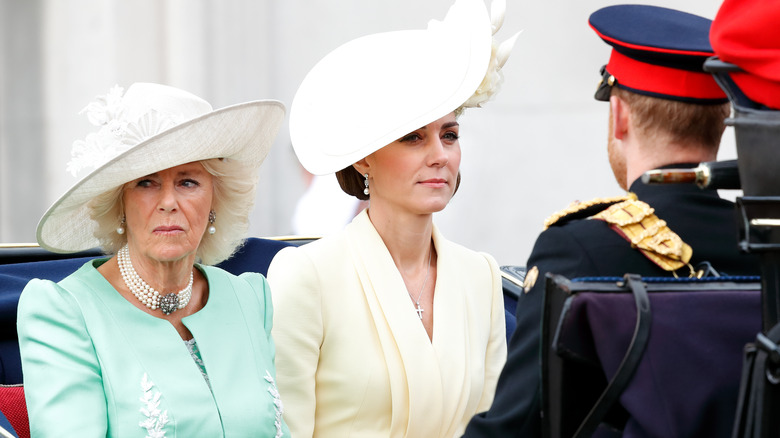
[388, 329]
[149, 342]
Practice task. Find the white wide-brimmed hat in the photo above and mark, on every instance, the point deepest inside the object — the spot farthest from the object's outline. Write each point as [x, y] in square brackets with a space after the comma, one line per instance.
[150, 128]
[373, 90]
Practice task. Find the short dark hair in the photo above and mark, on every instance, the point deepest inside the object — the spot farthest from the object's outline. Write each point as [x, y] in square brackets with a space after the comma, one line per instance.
[352, 182]
[686, 122]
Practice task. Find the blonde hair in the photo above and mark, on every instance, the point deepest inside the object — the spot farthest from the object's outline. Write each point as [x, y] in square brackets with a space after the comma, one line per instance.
[235, 185]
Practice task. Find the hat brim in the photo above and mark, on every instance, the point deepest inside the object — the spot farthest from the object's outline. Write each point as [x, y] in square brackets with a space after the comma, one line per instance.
[373, 90]
[243, 132]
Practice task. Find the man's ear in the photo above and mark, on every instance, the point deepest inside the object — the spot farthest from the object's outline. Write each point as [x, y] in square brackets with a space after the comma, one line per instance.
[621, 117]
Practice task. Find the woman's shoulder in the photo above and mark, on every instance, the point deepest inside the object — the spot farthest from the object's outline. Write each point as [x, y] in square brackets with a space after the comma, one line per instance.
[464, 255]
[247, 288]
[86, 275]
[69, 295]
[37, 293]
[217, 275]
[315, 252]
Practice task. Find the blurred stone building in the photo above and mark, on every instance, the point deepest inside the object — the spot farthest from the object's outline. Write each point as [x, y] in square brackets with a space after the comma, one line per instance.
[538, 146]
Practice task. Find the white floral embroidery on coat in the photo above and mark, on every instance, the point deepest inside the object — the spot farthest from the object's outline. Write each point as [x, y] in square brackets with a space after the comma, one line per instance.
[155, 419]
[277, 403]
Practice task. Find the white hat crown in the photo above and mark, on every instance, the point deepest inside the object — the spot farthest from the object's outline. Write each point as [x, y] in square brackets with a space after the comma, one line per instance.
[127, 119]
[373, 90]
[149, 128]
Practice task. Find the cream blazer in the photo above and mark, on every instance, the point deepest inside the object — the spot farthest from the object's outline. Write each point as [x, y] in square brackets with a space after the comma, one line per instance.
[353, 358]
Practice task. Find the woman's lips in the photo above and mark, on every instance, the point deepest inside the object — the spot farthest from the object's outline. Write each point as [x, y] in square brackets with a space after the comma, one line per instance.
[434, 182]
[168, 229]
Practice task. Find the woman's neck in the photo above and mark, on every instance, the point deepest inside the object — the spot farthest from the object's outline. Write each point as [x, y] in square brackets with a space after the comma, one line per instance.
[164, 276]
[406, 236]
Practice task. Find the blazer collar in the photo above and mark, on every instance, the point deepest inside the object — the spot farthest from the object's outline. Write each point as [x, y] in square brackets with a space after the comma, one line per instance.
[417, 366]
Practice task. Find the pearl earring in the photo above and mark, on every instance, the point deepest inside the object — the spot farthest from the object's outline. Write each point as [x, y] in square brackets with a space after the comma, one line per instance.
[212, 219]
[365, 191]
[121, 228]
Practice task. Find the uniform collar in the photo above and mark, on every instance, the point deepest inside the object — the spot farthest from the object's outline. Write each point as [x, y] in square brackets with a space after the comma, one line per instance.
[643, 190]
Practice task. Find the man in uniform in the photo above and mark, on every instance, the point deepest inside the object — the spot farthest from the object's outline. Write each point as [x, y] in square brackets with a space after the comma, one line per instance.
[664, 112]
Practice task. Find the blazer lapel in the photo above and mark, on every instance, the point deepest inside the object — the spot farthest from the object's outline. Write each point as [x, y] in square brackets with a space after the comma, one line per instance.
[230, 375]
[450, 334]
[412, 363]
[153, 349]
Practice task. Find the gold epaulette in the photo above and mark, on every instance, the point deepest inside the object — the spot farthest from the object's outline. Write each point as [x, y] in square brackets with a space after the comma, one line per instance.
[636, 222]
[582, 210]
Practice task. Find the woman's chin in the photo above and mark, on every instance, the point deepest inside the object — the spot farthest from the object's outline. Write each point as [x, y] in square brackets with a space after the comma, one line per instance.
[434, 206]
[170, 252]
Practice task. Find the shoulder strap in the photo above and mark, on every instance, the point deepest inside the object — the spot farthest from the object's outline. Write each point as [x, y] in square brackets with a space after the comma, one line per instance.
[581, 210]
[630, 361]
[636, 222]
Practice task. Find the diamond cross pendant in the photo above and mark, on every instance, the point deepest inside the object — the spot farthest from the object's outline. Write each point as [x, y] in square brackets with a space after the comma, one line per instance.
[419, 310]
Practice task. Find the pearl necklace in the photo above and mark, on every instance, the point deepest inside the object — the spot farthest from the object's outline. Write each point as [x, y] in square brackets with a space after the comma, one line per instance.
[148, 295]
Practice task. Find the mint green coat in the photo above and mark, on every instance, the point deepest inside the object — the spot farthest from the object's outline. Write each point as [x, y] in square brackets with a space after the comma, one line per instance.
[97, 366]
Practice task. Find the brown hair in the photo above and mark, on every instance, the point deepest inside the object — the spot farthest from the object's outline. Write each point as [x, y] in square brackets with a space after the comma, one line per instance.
[353, 183]
[685, 122]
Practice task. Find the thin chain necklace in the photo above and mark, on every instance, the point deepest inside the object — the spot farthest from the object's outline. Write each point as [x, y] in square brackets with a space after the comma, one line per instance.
[148, 295]
[419, 308]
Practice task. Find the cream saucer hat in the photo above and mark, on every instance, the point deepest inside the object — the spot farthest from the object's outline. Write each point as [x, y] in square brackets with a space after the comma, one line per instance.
[373, 90]
[150, 128]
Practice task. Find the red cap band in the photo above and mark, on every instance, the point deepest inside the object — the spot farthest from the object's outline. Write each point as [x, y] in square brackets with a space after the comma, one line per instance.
[663, 81]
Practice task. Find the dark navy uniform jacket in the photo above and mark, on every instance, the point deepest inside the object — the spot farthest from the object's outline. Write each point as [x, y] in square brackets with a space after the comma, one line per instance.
[583, 248]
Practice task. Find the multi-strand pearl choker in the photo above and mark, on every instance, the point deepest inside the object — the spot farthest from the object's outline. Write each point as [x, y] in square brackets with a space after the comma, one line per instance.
[148, 295]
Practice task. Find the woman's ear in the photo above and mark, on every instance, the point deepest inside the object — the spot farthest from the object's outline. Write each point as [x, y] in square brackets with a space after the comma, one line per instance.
[361, 166]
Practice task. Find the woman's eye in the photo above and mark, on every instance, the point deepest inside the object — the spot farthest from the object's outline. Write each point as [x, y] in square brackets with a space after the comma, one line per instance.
[190, 183]
[410, 137]
[144, 183]
[450, 135]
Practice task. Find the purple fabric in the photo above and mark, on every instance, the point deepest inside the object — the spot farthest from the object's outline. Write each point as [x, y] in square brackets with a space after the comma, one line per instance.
[688, 380]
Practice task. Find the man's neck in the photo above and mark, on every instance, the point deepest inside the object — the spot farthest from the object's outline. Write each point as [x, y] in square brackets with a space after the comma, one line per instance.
[657, 154]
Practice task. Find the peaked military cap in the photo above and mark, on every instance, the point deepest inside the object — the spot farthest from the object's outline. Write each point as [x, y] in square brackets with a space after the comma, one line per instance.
[656, 52]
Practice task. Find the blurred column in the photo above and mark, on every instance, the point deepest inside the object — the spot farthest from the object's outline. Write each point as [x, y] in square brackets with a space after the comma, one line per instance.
[22, 133]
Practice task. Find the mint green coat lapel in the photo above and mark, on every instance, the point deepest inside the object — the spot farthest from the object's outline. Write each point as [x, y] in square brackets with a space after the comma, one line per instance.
[131, 344]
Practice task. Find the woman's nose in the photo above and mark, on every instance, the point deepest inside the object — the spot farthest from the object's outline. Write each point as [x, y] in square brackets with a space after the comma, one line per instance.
[167, 201]
[437, 153]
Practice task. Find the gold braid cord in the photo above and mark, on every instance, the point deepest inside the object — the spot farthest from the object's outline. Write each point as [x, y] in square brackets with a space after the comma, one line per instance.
[576, 207]
[637, 223]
